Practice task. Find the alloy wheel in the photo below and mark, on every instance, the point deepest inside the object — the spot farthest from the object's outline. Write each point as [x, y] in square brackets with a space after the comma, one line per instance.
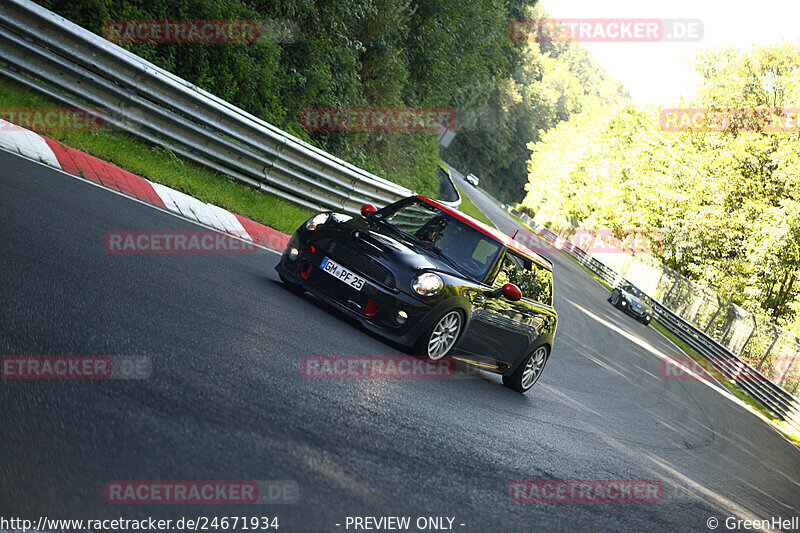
[533, 368]
[444, 335]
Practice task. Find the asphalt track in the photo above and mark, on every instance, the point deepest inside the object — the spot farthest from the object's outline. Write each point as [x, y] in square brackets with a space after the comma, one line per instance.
[227, 401]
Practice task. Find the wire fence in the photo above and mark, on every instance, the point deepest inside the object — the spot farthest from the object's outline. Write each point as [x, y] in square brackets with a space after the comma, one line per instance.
[759, 356]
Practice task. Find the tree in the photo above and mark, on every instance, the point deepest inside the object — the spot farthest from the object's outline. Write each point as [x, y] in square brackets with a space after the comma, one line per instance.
[726, 201]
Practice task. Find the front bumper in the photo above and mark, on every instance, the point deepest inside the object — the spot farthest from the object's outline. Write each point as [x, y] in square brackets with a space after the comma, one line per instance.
[355, 304]
[639, 315]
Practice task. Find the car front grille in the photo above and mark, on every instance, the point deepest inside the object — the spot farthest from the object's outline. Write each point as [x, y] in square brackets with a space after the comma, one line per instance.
[358, 262]
[638, 312]
[341, 292]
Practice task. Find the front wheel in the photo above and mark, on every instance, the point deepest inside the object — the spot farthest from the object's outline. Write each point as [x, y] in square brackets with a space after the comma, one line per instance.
[441, 338]
[615, 298]
[528, 372]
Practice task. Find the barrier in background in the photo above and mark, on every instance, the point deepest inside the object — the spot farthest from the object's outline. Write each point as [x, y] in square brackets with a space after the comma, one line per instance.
[724, 334]
[78, 68]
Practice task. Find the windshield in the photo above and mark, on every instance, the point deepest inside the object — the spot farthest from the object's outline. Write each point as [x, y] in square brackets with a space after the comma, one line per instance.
[630, 289]
[460, 244]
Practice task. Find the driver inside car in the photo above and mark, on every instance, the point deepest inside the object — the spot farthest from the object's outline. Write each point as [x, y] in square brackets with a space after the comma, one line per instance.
[433, 230]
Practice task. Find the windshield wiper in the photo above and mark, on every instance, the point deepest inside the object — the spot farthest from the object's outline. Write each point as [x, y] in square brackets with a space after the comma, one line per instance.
[442, 255]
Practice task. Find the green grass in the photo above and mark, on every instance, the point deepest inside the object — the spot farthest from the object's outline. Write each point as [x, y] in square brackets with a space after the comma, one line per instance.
[788, 431]
[471, 209]
[162, 166]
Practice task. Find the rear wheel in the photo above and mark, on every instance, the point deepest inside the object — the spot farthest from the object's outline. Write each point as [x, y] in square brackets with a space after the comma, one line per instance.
[440, 339]
[528, 372]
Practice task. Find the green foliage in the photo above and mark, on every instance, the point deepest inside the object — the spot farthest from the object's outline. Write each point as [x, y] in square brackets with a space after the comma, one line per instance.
[375, 53]
[728, 203]
[162, 166]
[469, 208]
[385, 53]
[547, 84]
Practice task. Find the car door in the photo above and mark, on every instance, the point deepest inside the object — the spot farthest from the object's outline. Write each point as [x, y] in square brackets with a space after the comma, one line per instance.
[504, 330]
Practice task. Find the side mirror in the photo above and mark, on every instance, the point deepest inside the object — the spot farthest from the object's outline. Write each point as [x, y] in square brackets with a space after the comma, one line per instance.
[512, 292]
[509, 291]
[367, 210]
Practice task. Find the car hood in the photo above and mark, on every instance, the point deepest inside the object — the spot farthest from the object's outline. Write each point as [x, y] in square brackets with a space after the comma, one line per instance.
[637, 302]
[375, 240]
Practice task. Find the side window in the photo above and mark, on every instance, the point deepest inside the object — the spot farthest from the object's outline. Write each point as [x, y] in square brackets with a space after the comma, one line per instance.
[509, 272]
[535, 282]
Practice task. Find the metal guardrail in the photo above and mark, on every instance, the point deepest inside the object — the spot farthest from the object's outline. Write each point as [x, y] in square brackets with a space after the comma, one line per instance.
[78, 68]
[774, 398]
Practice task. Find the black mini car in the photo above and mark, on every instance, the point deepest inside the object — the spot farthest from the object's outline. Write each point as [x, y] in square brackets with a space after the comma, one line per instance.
[633, 301]
[434, 279]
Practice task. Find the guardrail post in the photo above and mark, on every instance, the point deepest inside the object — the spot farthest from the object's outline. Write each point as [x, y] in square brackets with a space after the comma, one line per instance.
[764, 357]
[752, 332]
[719, 308]
[674, 284]
[794, 357]
[727, 332]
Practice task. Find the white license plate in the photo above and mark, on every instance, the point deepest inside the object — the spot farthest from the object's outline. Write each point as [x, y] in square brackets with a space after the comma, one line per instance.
[342, 274]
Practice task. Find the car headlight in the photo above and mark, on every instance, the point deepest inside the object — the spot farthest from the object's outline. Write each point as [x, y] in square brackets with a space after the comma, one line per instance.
[339, 218]
[427, 284]
[318, 220]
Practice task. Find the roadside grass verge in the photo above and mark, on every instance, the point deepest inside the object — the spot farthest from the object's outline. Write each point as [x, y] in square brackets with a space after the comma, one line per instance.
[788, 431]
[163, 166]
[469, 208]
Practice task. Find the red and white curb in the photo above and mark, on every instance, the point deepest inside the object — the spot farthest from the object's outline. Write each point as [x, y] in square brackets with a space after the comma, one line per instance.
[52, 153]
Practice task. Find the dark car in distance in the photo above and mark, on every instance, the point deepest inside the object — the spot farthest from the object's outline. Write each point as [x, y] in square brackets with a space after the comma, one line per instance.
[633, 301]
[433, 279]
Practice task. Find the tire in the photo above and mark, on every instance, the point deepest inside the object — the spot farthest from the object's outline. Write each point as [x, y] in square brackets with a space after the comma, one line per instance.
[294, 287]
[646, 321]
[440, 339]
[528, 373]
[615, 300]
